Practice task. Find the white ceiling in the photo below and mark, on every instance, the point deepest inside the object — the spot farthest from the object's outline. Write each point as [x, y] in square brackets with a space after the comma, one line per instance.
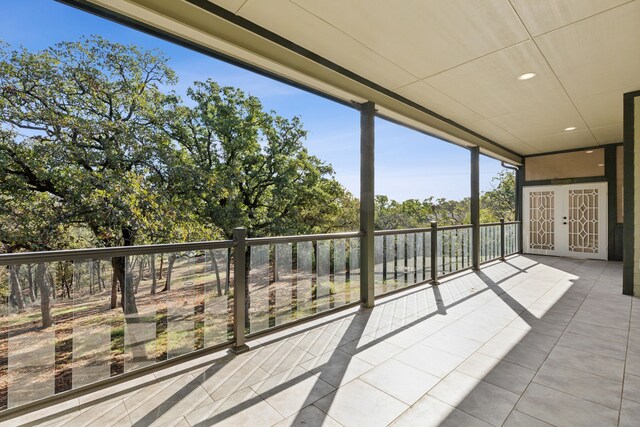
[457, 58]
[461, 59]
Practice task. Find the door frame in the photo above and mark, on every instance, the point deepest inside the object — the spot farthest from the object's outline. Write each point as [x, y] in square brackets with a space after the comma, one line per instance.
[561, 235]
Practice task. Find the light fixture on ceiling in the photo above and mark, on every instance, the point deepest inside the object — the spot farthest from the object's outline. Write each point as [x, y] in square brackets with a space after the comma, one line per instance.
[589, 151]
[570, 128]
[527, 76]
[601, 164]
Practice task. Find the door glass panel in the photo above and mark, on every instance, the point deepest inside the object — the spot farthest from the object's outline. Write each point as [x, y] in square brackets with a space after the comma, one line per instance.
[541, 221]
[583, 220]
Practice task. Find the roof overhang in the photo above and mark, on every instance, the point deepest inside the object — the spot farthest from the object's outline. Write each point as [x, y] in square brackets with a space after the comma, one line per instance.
[448, 69]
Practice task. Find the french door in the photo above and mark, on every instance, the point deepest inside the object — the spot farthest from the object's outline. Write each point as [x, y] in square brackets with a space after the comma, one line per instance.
[566, 220]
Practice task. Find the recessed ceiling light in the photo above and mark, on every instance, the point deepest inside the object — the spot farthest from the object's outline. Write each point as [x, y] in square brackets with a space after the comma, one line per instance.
[600, 164]
[527, 76]
[589, 151]
[570, 128]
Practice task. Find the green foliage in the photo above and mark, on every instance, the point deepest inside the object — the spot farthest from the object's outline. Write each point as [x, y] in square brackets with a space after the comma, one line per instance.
[249, 166]
[96, 151]
[83, 136]
[500, 202]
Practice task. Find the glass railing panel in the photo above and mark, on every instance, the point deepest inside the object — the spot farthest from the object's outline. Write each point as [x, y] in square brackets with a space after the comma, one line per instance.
[304, 279]
[283, 283]
[490, 244]
[339, 290]
[419, 257]
[181, 303]
[410, 264]
[511, 238]
[427, 255]
[440, 252]
[30, 348]
[380, 265]
[258, 288]
[218, 290]
[390, 262]
[323, 269]
[93, 321]
[353, 281]
[142, 344]
[466, 247]
[401, 259]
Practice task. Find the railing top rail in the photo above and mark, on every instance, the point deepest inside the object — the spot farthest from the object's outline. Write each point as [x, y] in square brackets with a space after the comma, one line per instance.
[401, 231]
[487, 224]
[255, 241]
[101, 253]
[455, 227]
[98, 253]
[420, 230]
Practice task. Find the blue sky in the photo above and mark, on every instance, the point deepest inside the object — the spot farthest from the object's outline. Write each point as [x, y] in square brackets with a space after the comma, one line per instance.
[408, 164]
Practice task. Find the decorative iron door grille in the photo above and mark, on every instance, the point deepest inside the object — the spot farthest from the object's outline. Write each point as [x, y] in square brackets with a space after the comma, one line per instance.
[566, 220]
[541, 220]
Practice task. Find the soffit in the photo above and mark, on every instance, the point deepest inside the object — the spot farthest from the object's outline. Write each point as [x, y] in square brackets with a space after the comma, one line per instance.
[466, 57]
[459, 59]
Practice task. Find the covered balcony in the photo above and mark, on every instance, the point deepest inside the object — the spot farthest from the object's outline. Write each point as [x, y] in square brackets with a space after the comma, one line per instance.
[516, 323]
[531, 340]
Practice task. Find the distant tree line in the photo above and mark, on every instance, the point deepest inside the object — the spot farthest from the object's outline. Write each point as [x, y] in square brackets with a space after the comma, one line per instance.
[495, 204]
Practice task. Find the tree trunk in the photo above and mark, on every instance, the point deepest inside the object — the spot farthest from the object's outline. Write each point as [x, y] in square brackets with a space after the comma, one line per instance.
[99, 279]
[16, 289]
[32, 294]
[167, 283]
[161, 263]
[217, 271]
[45, 294]
[76, 279]
[66, 283]
[123, 277]
[68, 288]
[52, 284]
[154, 279]
[114, 289]
[91, 276]
[140, 272]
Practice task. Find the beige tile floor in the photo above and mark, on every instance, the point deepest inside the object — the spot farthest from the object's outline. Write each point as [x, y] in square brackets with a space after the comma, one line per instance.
[533, 341]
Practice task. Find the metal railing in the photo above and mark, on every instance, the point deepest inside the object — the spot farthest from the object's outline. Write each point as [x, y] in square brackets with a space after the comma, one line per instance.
[290, 278]
[498, 240]
[62, 327]
[402, 258]
[454, 248]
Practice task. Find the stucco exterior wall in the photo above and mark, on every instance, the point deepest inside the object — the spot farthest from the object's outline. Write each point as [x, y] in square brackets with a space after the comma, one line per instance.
[576, 164]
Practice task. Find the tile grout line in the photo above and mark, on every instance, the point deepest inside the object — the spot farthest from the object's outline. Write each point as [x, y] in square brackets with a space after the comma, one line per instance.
[466, 358]
[482, 380]
[554, 346]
